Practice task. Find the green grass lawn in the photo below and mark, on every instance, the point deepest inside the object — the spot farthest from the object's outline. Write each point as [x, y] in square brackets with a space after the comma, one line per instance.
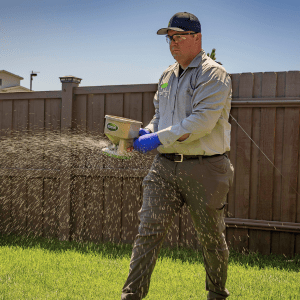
[37, 268]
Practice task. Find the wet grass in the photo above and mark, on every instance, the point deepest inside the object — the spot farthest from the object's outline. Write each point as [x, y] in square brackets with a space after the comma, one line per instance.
[38, 268]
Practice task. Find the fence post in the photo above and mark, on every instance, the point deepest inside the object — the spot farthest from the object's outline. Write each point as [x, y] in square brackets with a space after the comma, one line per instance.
[64, 213]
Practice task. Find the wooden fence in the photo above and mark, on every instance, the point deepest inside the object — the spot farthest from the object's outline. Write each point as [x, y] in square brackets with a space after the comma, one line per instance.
[80, 194]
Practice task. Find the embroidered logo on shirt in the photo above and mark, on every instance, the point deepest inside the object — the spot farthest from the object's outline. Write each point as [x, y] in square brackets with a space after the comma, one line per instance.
[164, 85]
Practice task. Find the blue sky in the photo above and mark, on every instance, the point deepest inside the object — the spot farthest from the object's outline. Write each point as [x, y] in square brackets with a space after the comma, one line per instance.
[115, 42]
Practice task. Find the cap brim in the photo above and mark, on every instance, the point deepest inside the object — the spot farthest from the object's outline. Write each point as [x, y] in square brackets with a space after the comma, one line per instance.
[165, 30]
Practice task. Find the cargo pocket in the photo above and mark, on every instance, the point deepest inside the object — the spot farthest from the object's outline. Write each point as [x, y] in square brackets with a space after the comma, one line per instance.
[217, 164]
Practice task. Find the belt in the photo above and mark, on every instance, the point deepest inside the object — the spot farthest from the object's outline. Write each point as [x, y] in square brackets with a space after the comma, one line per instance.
[181, 157]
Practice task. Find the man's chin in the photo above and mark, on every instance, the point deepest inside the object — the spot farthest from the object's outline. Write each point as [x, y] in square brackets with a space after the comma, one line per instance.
[176, 54]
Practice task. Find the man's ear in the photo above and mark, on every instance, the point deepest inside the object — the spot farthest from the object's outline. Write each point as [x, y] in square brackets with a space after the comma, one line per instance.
[198, 36]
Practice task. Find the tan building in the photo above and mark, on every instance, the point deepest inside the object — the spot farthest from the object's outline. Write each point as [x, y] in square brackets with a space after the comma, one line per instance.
[10, 83]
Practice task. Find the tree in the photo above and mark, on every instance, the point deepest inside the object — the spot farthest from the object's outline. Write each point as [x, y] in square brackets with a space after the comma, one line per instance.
[212, 55]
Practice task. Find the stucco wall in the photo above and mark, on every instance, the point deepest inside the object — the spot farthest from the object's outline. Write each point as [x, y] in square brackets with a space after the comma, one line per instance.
[8, 80]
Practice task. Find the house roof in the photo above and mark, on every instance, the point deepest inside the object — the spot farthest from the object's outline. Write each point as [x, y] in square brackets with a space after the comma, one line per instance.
[19, 77]
[15, 89]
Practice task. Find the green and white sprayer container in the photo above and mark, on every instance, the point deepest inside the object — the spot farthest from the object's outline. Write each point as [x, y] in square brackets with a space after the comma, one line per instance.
[121, 132]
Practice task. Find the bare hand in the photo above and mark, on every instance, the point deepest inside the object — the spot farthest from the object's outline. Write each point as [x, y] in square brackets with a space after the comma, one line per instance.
[129, 149]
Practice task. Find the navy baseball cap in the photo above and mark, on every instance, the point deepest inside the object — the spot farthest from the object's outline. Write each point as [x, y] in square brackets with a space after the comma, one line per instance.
[182, 21]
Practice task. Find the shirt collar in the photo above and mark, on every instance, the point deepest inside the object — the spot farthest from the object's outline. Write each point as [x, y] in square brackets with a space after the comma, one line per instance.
[193, 64]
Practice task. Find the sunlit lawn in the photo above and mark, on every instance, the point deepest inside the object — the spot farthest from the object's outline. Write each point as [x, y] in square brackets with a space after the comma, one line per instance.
[36, 268]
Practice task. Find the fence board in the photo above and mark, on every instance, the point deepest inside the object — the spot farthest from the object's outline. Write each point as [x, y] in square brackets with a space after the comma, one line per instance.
[281, 78]
[265, 193]
[94, 209]
[36, 148]
[278, 161]
[131, 204]
[112, 209]
[261, 240]
[78, 211]
[79, 120]
[5, 205]
[20, 115]
[52, 128]
[148, 108]
[114, 105]
[6, 114]
[79, 115]
[52, 114]
[50, 208]
[243, 161]
[255, 159]
[18, 206]
[95, 114]
[293, 90]
[290, 169]
[35, 207]
[133, 106]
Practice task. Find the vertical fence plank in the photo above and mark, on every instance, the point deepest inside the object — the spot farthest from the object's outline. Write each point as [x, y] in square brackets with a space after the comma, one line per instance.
[290, 166]
[278, 161]
[5, 205]
[255, 155]
[7, 117]
[78, 210]
[95, 114]
[94, 209]
[1, 119]
[130, 206]
[289, 171]
[35, 207]
[20, 130]
[50, 213]
[293, 90]
[52, 114]
[112, 209]
[79, 118]
[52, 128]
[133, 106]
[64, 209]
[243, 162]
[20, 115]
[114, 105]
[95, 129]
[18, 206]
[36, 146]
[148, 108]
[267, 139]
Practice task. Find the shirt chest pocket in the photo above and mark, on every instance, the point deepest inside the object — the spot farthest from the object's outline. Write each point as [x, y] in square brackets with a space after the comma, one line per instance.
[188, 94]
[163, 100]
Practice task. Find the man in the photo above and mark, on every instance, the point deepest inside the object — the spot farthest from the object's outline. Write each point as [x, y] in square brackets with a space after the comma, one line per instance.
[191, 132]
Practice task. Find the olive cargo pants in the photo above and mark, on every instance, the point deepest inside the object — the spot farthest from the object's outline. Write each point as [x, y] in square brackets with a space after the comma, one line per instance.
[202, 183]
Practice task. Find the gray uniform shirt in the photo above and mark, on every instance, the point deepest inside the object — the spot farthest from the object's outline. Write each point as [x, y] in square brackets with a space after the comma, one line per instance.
[198, 102]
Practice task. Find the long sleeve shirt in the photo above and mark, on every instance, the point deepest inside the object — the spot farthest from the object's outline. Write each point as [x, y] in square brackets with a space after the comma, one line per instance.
[197, 102]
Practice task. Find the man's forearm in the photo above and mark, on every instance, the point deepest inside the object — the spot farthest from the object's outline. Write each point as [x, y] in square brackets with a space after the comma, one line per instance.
[183, 137]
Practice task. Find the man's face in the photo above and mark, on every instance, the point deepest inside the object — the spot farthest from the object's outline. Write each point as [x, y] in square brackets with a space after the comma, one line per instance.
[184, 49]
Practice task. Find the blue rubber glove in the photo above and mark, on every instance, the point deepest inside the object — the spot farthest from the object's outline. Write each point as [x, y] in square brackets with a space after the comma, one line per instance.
[143, 131]
[146, 142]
